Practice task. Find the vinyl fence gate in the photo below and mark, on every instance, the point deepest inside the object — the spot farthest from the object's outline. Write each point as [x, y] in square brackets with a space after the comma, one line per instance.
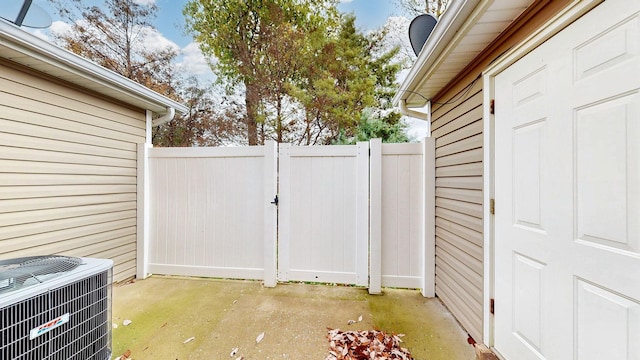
[349, 214]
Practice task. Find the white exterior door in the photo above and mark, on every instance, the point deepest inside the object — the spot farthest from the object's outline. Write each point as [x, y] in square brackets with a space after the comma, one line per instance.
[567, 188]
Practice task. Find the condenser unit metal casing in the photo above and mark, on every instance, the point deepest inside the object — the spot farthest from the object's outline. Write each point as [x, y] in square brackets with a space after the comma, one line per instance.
[55, 313]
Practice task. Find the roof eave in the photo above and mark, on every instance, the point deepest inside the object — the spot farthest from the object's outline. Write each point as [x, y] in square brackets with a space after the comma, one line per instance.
[27, 49]
[465, 30]
[448, 25]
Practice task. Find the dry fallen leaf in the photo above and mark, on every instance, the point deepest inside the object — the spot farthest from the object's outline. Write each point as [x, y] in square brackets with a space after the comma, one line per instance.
[234, 351]
[260, 337]
[189, 340]
[350, 322]
[373, 345]
[360, 318]
[126, 322]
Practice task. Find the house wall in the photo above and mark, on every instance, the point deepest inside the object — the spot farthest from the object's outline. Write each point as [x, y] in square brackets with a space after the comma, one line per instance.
[457, 126]
[67, 171]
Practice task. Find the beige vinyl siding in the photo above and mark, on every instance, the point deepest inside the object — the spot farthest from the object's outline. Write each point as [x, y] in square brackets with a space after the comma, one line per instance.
[457, 127]
[67, 171]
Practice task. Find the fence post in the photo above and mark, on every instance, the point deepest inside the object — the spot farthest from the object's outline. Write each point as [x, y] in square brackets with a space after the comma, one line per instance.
[143, 212]
[270, 213]
[428, 210]
[362, 213]
[375, 217]
[284, 213]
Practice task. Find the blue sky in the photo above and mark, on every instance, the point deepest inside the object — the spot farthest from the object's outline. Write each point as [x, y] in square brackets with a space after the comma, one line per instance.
[370, 14]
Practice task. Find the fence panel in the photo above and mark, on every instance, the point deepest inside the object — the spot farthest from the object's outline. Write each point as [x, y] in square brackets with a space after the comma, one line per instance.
[323, 214]
[211, 212]
[402, 219]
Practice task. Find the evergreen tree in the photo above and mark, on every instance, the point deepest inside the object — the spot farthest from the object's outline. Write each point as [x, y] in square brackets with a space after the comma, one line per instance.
[241, 34]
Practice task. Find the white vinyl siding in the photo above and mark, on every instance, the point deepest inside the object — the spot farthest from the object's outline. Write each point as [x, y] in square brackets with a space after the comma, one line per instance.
[457, 128]
[67, 171]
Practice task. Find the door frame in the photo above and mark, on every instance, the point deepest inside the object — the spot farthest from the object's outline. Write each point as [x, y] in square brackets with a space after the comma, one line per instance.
[566, 16]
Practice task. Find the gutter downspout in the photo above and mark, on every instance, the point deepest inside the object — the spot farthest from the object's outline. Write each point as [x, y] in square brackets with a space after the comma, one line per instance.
[404, 110]
[171, 112]
[426, 116]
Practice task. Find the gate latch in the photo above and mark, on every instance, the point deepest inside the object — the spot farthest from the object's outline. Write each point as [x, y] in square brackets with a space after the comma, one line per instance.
[275, 200]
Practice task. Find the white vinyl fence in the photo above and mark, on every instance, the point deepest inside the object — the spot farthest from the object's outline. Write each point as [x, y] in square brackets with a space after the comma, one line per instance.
[211, 213]
[403, 196]
[352, 214]
[323, 222]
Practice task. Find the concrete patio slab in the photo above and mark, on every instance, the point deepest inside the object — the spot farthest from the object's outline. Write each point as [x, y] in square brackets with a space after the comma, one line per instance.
[187, 318]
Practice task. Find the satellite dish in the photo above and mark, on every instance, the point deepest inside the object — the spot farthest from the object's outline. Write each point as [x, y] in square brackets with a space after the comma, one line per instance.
[419, 31]
[24, 13]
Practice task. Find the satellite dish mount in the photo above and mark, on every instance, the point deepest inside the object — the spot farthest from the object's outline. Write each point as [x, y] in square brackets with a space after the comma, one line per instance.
[23, 12]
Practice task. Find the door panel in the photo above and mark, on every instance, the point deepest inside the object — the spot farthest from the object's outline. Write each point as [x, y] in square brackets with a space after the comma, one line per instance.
[567, 179]
[604, 153]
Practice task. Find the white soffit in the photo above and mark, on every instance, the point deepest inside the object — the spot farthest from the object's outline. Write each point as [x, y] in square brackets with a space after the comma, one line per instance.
[463, 31]
[26, 49]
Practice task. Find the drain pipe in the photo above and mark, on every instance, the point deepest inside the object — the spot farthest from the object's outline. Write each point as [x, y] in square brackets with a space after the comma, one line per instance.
[404, 110]
[171, 112]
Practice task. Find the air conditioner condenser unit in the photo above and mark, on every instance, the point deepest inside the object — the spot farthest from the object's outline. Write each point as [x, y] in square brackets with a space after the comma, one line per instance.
[55, 308]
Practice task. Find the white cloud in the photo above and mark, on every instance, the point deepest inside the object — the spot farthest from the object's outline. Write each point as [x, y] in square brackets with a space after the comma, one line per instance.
[148, 38]
[60, 27]
[194, 62]
[154, 40]
[190, 59]
[398, 30]
[145, 2]
[417, 129]
[57, 27]
[42, 34]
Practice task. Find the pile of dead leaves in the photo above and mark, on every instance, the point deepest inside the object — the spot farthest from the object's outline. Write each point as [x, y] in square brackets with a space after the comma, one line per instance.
[365, 345]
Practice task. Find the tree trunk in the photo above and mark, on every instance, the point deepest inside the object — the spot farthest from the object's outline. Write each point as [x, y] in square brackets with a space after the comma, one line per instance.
[251, 101]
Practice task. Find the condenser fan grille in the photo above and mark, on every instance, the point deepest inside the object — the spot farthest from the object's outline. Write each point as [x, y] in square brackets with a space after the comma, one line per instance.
[22, 272]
